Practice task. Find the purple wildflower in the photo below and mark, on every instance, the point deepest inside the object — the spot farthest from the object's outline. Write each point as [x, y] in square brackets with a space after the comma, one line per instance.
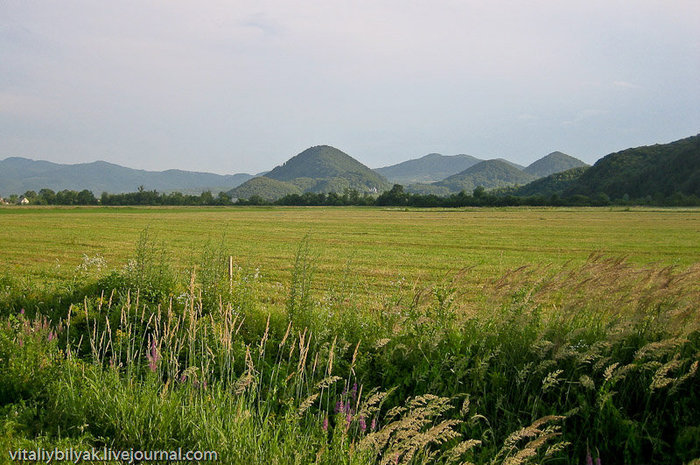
[363, 425]
[339, 407]
[324, 426]
[21, 342]
[183, 378]
[21, 312]
[354, 391]
[153, 357]
[51, 336]
[348, 419]
[589, 458]
[597, 461]
[373, 425]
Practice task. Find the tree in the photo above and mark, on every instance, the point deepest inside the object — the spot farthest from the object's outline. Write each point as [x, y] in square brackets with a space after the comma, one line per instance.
[86, 197]
[206, 198]
[48, 196]
[395, 196]
[66, 197]
[223, 199]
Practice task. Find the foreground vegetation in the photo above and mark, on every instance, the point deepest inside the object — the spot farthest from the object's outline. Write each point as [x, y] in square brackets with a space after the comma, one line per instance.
[540, 364]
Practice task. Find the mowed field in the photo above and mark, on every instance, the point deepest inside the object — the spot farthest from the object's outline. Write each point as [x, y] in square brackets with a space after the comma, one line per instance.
[378, 246]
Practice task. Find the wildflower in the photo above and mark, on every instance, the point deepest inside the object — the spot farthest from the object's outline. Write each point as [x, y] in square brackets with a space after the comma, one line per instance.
[183, 378]
[339, 407]
[589, 458]
[21, 312]
[324, 426]
[51, 336]
[373, 425]
[348, 420]
[153, 357]
[597, 460]
[363, 425]
[354, 391]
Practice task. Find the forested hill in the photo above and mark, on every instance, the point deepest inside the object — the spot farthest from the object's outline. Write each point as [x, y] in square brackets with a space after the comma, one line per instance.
[554, 184]
[317, 169]
[555, 162]
[654, 170]
[489, 174]
[323, 162]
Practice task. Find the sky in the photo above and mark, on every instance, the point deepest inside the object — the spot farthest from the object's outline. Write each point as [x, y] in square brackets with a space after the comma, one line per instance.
[241, 86]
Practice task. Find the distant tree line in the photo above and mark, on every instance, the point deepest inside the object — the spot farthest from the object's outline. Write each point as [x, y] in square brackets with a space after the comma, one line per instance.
[140, 197]
[397, 196]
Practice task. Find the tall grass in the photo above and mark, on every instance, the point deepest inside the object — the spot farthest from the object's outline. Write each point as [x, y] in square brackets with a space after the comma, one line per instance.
[542, 365]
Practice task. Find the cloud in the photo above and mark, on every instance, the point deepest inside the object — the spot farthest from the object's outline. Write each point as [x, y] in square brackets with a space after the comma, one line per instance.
[17, 105]
[584, 115]
[527, 117]
[264, 23]
[626, 85]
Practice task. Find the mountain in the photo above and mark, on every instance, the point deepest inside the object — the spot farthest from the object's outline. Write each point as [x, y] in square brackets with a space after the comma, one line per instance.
[555, 162]
[661, 169]
[319, 169]
[430, 168]
[555, 183]
[488, 174]
[18, 175]
[326, 162]
[514, 165]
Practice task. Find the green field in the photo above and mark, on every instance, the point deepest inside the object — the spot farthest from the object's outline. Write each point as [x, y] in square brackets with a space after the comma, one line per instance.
[354, 336]
[379, 245]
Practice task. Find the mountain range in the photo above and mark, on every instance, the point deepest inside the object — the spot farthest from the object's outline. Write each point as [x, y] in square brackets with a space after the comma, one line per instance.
[18, 175]
[430, 168]
[497, 173]
[489, 174]
[659, 170]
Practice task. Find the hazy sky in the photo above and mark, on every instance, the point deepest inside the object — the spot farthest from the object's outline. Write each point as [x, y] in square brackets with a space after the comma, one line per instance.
[241, 86]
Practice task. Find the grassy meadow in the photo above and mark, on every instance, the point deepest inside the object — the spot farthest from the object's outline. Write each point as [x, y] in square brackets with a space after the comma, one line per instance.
[353, 335]
[380, 244]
